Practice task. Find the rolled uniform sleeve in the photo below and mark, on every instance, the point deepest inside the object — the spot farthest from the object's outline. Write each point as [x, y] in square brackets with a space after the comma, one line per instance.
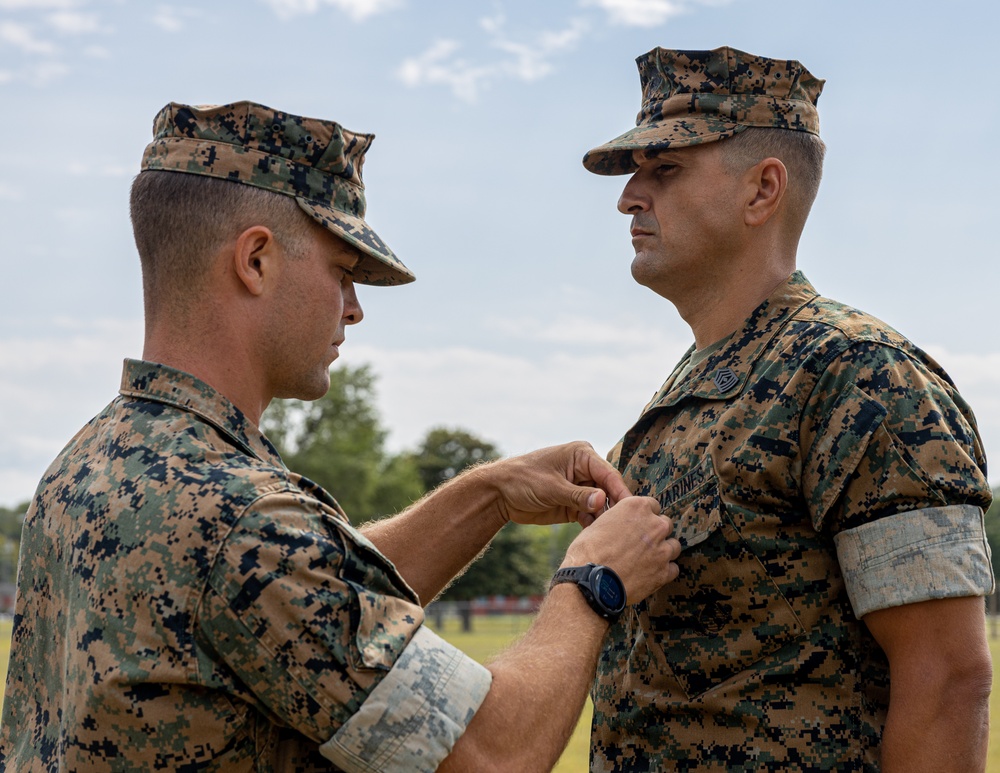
[941, 551]
[412, 719]
[896, 472]
[328, 640]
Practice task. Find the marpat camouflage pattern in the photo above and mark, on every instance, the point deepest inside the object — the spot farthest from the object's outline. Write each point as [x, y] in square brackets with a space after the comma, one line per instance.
[817, 467]
[185, 602]
[694, 97]
[317, 162]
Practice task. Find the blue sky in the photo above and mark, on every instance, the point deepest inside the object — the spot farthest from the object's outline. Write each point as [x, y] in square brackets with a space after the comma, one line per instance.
[524, 325]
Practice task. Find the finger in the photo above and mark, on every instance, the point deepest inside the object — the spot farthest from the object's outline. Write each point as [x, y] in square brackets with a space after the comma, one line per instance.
[591, 467]
[581, 499]
[673, 572]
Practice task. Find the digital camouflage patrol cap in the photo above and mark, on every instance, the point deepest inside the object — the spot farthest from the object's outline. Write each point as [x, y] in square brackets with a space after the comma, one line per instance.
[694, 97]
[317, 162]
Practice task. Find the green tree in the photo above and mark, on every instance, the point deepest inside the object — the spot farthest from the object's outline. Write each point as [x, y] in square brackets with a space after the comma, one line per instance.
[993, 531]
[11, 520]
[446, 452]
[338, 441]
[516, 563]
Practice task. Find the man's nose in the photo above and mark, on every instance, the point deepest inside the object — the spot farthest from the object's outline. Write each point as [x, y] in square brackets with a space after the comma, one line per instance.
[632, 199]
[353, 313]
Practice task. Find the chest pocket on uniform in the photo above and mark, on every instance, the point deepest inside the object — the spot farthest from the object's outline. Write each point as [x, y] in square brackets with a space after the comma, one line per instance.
[722, 614]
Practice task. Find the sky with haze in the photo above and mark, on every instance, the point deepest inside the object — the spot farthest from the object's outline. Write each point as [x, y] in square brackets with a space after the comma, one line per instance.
[524, 325]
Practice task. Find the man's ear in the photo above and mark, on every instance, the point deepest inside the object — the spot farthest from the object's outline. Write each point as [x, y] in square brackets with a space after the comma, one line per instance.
[769, 179]
[253, 257]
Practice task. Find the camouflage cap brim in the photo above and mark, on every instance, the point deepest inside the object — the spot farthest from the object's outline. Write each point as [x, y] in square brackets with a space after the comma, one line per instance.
[617, 156]
[379, 264]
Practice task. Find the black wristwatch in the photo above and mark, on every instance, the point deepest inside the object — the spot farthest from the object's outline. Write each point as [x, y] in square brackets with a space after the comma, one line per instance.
[602, 588]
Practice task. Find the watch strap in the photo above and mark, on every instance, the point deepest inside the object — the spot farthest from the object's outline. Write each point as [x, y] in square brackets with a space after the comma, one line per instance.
[581, 577]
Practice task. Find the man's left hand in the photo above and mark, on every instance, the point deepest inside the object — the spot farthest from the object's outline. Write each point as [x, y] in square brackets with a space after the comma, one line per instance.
[560, 484]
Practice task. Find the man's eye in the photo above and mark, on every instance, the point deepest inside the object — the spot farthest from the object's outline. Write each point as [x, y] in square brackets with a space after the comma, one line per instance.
[665, 168]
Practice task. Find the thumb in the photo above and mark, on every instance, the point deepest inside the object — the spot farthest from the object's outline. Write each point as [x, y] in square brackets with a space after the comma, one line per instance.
[591, 499]
[586, 499]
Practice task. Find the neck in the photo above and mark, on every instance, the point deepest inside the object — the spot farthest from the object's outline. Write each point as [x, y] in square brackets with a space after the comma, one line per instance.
[216, 357]
[722, 305]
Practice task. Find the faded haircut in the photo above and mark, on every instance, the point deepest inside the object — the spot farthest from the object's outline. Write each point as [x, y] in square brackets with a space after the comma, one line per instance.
[801, 152]
[181, 220]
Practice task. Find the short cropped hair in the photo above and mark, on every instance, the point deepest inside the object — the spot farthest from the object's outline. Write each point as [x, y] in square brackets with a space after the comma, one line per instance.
[181, 220]
[801, 152]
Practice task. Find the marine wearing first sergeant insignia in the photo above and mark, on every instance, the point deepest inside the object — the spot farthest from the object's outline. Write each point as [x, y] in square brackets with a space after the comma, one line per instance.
[819, 469]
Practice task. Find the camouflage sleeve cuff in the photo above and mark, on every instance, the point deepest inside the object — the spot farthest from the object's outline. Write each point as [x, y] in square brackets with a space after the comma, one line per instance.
[414, 716]
[934, 553]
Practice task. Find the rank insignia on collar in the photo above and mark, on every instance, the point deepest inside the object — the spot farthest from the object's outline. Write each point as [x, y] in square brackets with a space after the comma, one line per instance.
[725, 379]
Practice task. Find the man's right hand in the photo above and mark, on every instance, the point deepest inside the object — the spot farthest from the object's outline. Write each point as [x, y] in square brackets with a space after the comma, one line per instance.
[633, 539]
[541, 682]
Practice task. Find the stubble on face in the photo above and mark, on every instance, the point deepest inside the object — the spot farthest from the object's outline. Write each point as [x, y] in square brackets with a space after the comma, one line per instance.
[308, 324]
[682, 220]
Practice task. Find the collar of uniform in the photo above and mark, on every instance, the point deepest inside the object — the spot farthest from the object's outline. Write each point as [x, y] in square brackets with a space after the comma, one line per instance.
[163, 384]
[724, 374]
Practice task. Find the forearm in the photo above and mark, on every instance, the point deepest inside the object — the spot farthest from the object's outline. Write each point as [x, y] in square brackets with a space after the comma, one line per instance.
[937, 728]
[437, 537]
[538, 691]
[940, 675]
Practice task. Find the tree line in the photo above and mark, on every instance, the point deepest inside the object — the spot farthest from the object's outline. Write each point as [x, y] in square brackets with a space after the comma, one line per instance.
[339, 442]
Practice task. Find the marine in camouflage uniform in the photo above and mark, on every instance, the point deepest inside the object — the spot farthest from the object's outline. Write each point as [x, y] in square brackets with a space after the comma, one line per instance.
[185, 602]
[220, 612]
[818, 468]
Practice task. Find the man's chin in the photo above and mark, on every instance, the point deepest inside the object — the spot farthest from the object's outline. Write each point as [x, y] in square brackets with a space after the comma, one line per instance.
[306, 390]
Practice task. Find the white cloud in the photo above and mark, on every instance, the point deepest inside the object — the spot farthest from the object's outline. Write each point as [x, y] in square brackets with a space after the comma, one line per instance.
[518, 402]
[171, 18]
[568, 330]
[590, 391]
[980, 370]
[647, 13]
[97, 52]
[167, 19]
[7, 192]
[37, 5]
[6, 76]
[53, 384]
[96, 168]
[525, 61]
[21, 36]
[74, 23]
[590, 385]
[356, 10]
[435, 66]
[41, 74]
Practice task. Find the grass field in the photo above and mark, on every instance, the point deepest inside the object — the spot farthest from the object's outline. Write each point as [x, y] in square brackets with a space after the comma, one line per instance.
[491, 635]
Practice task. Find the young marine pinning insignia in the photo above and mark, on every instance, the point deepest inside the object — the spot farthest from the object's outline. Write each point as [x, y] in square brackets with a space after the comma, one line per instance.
[185, 602]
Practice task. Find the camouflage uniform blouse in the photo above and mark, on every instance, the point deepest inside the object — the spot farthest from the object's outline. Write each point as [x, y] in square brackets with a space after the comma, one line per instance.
[817, 467]
[187, 603]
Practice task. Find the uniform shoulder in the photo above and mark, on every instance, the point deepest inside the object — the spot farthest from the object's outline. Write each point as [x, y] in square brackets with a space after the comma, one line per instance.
[850, 323]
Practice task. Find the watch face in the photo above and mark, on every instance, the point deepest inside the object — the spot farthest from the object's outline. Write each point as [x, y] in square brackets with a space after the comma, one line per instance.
[610, 591]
